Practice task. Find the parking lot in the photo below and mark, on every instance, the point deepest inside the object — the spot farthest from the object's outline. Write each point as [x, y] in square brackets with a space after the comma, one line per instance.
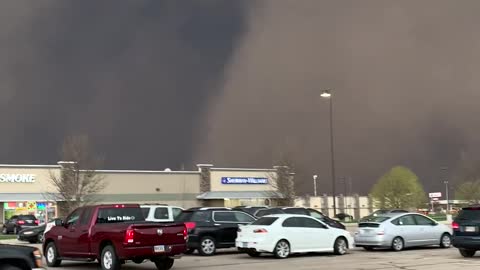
[421, 258]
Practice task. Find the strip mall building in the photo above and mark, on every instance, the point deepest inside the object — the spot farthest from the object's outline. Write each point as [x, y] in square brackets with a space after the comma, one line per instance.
[27, 189]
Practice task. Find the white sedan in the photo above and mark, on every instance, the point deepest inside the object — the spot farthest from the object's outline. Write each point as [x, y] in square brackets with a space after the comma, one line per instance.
[284, 234]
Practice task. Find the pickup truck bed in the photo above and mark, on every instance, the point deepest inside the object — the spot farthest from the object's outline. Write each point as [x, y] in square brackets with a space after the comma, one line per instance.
[113, 234]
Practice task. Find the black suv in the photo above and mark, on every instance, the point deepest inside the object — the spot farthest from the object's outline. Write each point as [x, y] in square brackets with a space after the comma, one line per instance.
[212, 228]
[17, 223]
[466, 231]
[14, 257]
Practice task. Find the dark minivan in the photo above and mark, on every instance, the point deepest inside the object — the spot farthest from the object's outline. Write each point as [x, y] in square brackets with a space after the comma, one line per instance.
[466, 231]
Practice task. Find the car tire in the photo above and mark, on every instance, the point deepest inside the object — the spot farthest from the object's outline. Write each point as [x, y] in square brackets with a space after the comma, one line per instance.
[340, 247]
[282, 249]
[446, 241]
[109, 259]
[4, 230]
[207, 246]
[164, 263]
[253, 254]
[33, 241]
[467, 253]
[190, 251]
[397, 243]
[40, 238]
[51, 255]
[369, 248]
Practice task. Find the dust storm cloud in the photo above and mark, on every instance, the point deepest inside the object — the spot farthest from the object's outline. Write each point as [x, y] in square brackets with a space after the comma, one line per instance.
[405, 82]
[132, 74]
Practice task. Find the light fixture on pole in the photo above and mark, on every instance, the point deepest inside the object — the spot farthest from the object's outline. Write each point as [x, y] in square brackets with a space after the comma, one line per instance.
[445, 181]
[315, 185]
[328, 94]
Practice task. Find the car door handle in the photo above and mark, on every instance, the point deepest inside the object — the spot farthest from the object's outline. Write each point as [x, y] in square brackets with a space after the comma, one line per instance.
[216, 224]
[85, 230]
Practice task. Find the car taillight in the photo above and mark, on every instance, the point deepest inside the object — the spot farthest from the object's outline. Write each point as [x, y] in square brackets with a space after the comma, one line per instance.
[20, 222]
[190, 226]
[129, 235]
[38, 258]
[455, 225]
[37, 221]
[185, 233]
[260, 231]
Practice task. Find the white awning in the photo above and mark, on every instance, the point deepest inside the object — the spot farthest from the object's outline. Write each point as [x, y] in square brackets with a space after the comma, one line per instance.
[25, 197]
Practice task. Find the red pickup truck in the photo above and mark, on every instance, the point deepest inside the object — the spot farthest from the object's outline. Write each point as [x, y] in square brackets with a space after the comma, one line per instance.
[114, 234]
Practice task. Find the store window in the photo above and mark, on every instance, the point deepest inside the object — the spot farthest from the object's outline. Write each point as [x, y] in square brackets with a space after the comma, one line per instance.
[43, 211]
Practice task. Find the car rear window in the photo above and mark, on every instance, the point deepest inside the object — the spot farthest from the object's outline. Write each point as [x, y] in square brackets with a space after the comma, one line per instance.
[145, 211]
[368, 225]
[266, 212]
[120, 215]
[265, 221]
[27, 217]
[194, 216]
[469, 214]
[377, 219]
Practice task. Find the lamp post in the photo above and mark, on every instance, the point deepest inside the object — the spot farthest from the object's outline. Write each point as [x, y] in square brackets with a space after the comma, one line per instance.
[327, 94]
[445, 181]
[315, 185]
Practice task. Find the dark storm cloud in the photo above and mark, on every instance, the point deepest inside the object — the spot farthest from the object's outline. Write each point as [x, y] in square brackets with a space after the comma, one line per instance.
[135, 75]
[161, 83]
[405, 80]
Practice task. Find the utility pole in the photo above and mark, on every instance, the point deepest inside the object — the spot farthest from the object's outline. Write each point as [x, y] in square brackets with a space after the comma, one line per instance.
[315, 185]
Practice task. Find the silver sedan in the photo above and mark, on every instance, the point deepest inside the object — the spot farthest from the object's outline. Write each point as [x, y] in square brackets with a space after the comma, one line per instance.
[401, 230]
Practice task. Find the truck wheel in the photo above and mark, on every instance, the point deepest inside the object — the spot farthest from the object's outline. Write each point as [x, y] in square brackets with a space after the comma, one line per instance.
[207, 246]
[467, 253]
[109, 260]
[51, 255]
[164, 263]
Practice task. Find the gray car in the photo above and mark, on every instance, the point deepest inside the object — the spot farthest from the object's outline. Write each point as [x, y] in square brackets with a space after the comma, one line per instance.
[400, 230]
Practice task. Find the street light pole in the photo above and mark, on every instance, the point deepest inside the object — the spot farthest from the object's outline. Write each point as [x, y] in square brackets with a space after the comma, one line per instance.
[315, 185]
[328, 94]
[446, 193]
[445, 181]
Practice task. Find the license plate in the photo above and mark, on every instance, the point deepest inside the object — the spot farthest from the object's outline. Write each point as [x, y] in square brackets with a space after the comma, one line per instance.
[245, 244]
[366, 231]
[159, 248]
[470, 229]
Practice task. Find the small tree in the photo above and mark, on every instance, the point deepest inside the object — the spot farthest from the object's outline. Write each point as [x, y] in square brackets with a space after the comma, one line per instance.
[469, 191]
[282, 179]
[398, 188]
[78, 182]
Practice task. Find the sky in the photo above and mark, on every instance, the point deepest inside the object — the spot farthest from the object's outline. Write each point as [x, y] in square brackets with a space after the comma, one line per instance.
[159, 84]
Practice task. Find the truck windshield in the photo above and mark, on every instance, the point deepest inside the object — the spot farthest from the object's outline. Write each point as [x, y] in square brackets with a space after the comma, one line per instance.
[119, 215]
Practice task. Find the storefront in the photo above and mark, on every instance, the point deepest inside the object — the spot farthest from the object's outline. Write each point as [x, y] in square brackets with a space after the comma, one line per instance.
[28, 189]
[230, 187]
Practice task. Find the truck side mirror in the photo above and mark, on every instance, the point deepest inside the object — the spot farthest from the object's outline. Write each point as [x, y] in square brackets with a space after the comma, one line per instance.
[58, 222]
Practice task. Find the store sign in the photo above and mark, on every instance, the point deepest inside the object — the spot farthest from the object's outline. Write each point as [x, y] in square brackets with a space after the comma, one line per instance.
[17, 178]
[244, 180]
[435, 195]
